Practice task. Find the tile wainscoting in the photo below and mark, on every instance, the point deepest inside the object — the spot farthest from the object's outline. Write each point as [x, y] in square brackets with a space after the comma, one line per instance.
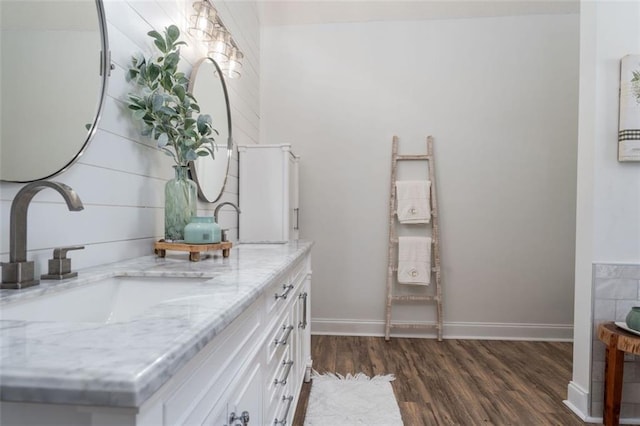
[616, 290]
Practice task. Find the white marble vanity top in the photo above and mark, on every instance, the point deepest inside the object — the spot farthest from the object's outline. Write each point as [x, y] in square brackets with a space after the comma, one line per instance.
[124, 363]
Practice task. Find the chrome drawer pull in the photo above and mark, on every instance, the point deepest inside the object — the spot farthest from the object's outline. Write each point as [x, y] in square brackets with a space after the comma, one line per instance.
[303, 324]
[242, 418]
[286, 413]
[287, 333]
[287, 289]
[283, 382]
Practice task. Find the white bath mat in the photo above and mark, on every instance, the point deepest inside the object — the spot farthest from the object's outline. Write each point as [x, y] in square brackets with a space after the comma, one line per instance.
[352, 400]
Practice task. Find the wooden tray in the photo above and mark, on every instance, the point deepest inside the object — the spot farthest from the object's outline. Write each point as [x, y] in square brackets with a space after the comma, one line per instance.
[161, 247]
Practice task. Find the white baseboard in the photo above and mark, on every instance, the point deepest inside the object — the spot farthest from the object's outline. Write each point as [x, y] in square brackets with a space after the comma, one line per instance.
[578, 401]
[452, 330]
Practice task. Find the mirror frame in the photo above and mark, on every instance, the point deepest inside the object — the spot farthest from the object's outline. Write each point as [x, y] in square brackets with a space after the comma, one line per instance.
[105, 73]
[192, 165]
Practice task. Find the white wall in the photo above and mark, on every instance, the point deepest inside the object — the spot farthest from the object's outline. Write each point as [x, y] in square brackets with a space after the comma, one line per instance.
[121, 178]
[616, 188]
[608, 196]
[500, 97]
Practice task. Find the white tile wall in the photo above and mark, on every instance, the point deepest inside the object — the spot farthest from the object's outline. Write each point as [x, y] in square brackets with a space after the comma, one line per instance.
[120, 178]
[616, 290]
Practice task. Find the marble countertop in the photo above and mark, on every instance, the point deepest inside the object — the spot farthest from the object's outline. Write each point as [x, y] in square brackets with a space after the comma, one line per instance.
[123, 363]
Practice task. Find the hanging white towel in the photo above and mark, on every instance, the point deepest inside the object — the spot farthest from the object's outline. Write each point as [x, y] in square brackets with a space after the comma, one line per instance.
[414, 260]
[413, 204]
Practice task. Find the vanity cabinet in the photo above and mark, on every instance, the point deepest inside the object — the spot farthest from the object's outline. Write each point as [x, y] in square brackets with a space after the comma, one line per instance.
[267, 356]
[250, 373]
[268, 193]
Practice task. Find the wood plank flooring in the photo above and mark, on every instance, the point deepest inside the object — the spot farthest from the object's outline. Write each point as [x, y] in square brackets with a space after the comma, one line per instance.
[458, 382]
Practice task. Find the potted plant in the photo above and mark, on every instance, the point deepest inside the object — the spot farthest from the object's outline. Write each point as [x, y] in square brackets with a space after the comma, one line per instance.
[170, 115]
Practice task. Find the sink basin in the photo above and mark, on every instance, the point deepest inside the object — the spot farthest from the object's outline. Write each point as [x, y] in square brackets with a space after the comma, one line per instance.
[115, 299]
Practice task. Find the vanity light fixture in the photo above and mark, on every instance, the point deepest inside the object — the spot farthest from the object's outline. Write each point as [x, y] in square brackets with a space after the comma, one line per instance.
[207, 26]
[220, 47]
[202, 25]
[232, 68]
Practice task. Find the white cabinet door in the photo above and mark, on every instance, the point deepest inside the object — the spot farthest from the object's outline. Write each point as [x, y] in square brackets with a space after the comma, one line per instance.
[304, 331]
[268, 193]
[243, 403]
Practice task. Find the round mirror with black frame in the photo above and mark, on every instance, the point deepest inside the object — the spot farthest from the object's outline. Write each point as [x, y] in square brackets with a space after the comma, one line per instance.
[208, 87]
[54, 71]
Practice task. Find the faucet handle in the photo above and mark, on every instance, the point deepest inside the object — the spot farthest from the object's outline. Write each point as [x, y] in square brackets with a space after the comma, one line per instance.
[61, 252]
[60, 265]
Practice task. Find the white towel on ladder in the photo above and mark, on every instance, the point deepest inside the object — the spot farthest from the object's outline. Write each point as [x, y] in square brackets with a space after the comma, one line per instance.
[413, 204]
[414, 260]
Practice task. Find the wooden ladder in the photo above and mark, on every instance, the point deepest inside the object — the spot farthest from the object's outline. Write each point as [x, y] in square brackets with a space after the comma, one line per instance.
[436, 296]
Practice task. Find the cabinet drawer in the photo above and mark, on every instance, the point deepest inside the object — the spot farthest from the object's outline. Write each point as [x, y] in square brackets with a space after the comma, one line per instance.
[276, 374]
[282, 413]
[280, 294]
[212, 370]
[281, 337]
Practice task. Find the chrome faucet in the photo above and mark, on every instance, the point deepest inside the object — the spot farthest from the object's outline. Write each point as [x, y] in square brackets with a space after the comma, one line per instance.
[215, 216]
[18, 272]
[215, 212]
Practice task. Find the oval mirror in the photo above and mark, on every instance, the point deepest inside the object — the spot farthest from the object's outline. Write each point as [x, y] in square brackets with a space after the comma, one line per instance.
[208, 87]
[53, 82]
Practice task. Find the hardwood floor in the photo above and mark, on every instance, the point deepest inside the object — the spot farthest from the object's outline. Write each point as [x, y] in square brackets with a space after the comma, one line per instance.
[458, 382]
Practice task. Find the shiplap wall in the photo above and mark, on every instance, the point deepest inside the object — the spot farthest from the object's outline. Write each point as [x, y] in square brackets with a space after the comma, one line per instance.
[121, 176]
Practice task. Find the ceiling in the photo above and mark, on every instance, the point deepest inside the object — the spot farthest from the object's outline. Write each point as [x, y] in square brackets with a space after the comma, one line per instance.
[305, 12]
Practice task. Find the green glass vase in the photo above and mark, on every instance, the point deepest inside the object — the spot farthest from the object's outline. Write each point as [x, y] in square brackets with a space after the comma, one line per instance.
[180, 200]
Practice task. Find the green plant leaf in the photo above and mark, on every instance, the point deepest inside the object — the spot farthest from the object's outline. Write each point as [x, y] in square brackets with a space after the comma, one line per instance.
[157, 101]
[204, 122]
[155, 34]
[210, 151]
[163, 140]
[203, 153]
[167, 82]
[180, 91]
[134, 98]
[173, 33]
[191, 155]
[139, 114]
[143, 71]
[210, 142]
[167, 110]
[153, 71]
[171, 60]
[158, 41]
[189, 123]
[131, 74]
